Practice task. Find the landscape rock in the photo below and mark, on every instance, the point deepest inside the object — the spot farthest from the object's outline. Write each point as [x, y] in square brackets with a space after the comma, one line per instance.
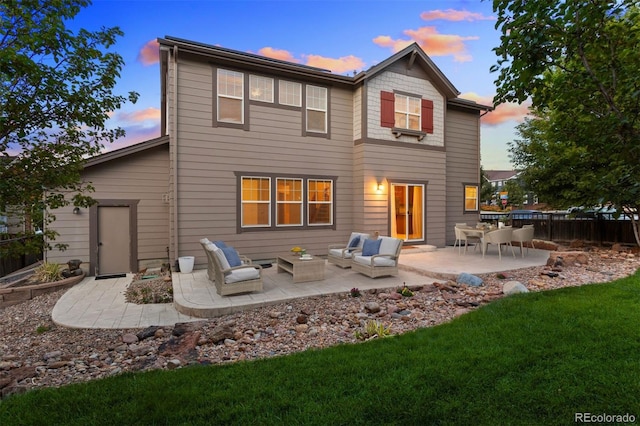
[469, 279]
[88, 354]
[514, 287]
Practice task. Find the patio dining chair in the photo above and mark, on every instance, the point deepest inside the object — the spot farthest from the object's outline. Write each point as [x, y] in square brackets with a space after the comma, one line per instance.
[461, 236]
[523, 235]
[499, 237]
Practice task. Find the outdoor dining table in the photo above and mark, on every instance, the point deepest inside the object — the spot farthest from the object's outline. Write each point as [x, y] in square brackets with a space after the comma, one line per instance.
[473, 231]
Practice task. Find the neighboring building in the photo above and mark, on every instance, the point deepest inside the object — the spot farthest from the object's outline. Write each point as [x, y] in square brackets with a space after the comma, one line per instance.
[498, 179]
[266, 155]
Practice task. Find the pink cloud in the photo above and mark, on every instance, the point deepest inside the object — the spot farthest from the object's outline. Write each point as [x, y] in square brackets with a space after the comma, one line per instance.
[502, 113]
[279, 54]
[342, 65]
[432, 42]
[134, 135]
[150, 53]
[455, 15]
[140, 115]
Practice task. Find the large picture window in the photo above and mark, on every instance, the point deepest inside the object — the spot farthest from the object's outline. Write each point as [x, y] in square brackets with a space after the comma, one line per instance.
[230, 96]
[470, 198]
[256, 202]
[320, 200]
[292, 201]
[316, 109]
[289, 202]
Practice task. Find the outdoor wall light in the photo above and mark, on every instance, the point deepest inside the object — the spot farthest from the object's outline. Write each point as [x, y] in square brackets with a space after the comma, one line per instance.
[76, 210]
[379, 188]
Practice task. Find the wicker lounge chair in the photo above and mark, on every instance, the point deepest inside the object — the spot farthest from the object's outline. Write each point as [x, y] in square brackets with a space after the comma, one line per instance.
[340, 254]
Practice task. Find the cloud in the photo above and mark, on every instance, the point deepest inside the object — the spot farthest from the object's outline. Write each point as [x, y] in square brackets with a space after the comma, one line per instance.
[279, 54]
[340, 65]
[345, 64]
[432, 42]
[502, 113]
[134, 135]
[150, 53]
[139, 116]
[455, 15]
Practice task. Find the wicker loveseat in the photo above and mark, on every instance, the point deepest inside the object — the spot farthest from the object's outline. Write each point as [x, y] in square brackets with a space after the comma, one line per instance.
[340, 254]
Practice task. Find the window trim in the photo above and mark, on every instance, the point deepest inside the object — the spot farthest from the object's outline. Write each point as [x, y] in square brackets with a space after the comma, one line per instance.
[273, 205]
[245, 103]
[308, 108]
[331, 203]
[301, 203]
[464, 197]
[242, 203]
[261, 77]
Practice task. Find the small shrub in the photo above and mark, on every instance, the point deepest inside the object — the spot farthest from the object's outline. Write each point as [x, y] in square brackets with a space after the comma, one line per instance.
[372, 330]
[42, 329]
[405, 291]
[355, 292]
[47, 272]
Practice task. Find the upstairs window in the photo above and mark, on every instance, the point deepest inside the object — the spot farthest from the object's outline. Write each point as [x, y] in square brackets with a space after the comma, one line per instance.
[260, 88]
[316, 109]
[230, 96]
[290, 93]
[406, 114]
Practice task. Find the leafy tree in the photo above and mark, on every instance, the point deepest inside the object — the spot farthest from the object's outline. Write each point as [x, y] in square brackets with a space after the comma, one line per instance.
[578, 62]
[486, 190]
[516, 192]
[55, 98]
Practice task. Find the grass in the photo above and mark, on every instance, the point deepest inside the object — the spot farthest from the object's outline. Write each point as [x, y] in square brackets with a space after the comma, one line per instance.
[535, 358]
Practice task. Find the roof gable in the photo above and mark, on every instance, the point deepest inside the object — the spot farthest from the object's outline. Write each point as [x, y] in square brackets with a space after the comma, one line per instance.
[416, 57]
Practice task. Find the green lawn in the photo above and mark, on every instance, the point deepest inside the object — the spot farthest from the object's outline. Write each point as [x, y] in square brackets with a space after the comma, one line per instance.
[535, 358]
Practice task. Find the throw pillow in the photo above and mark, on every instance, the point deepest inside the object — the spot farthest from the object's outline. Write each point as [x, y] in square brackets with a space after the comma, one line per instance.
[224, 264]
[219, 243]
[232, 256]
[371, 247]
[353, 244]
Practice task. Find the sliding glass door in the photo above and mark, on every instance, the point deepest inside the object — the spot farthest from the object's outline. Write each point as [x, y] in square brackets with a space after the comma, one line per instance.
[407, 211]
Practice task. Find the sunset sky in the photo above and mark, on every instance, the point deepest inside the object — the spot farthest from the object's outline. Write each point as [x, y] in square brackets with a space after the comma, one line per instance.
[345, 36]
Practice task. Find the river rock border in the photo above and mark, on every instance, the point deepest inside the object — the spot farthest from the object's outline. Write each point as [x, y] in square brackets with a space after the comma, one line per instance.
[14, 295]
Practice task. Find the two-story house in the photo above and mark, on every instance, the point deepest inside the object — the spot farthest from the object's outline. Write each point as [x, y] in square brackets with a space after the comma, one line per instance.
[266, 155]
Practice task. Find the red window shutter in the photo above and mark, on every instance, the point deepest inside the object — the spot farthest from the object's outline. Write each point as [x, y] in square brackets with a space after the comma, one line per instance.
[427, 116]
[387, 109]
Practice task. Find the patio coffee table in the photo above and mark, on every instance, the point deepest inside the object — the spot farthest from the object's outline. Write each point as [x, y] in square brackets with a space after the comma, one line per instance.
[303, 270]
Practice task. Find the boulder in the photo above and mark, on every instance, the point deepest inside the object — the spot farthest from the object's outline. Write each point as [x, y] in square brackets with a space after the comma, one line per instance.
[514, 287]
[469, 279]
[567, 258]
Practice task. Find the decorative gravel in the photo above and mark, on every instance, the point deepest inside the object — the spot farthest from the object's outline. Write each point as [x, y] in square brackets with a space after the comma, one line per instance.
[35, 353]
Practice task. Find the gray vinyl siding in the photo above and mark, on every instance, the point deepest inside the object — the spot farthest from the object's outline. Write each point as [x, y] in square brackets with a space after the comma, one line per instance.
[209, 157]
[142, 176]
[463, 165]
[402, 164]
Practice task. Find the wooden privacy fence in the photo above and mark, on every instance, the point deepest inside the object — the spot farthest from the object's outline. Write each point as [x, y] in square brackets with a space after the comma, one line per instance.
[560, 228]
[12, 264]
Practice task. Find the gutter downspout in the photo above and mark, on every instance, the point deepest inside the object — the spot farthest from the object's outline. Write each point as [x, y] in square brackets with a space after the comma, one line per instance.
[175, 153]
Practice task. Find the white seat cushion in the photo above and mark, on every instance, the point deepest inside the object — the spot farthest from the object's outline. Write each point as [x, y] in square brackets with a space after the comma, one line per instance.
[243, 274]
[389, 245]
[338, 253]
[378, 261]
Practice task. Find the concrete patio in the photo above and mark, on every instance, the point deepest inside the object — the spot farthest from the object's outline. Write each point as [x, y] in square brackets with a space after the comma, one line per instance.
[101, 304]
